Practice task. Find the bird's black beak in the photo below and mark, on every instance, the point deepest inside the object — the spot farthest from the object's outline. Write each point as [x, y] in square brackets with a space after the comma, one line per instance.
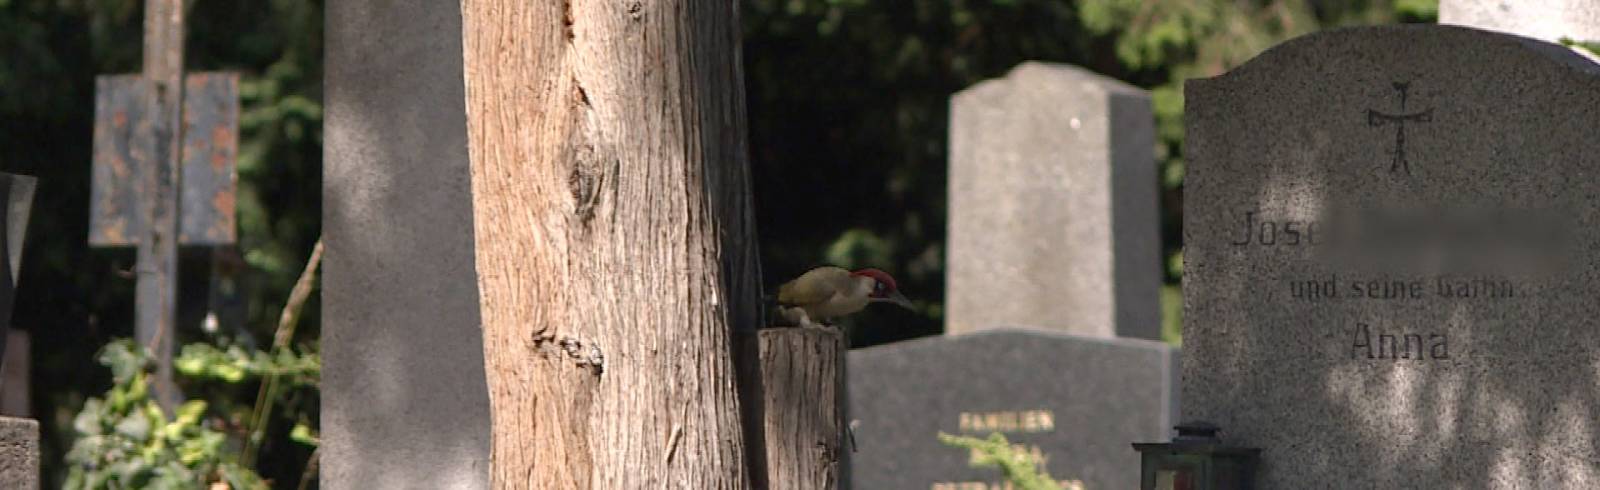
[900, 299]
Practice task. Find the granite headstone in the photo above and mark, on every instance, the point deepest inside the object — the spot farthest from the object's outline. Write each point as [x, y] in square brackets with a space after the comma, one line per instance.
[1071, 403]
[19, 437]
[1052, 212]
[1390, 277]
[404, 401]
[16, 202]
[16, 397]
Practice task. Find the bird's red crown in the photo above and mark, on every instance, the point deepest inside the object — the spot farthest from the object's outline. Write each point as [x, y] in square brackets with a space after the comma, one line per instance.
[880, 276]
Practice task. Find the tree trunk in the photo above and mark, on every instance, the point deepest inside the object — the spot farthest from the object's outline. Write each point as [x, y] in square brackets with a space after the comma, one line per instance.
[614, 242]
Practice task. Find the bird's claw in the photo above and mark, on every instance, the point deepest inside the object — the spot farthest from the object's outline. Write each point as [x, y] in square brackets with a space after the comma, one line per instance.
[815, 325]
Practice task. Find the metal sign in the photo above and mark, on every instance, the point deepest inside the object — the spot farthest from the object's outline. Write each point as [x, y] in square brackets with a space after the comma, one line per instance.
[123, 139]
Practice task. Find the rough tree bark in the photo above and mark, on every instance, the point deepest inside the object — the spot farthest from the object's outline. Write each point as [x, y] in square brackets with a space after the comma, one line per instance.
[612, 220]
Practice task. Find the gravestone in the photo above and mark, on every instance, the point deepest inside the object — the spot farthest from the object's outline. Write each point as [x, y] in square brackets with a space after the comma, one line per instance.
[16, 396]
[1053, 205]
[16, 195]
[1071, 403]
[19, 437]
[1390, 277]
[1549, 20]
[404, 401]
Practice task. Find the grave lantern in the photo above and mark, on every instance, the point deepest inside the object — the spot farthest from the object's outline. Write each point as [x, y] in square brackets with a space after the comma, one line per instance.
[1196, 460]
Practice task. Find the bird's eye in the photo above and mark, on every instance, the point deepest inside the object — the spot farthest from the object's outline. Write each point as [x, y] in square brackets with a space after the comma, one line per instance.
[879, 287]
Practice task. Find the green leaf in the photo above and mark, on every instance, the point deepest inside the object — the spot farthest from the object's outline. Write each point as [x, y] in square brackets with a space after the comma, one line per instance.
[240, 478]
[1593, 47]
[90, 420]
[189, 366]
[134, 426]
[235, 365]
[1017, 466]
[304, 434]
[859, 248]
[1172, 314]
[206, 446]
[189, 414]
[227, 372]
[130, 473]
[172, 476]
[125, 359]
[76, 478]
[138, 389]
[1420, 10]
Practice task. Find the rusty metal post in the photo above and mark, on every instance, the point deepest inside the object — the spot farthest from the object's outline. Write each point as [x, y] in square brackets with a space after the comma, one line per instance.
[156, 298]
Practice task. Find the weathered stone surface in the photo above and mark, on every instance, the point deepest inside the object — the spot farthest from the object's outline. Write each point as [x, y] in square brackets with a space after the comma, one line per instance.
[1549, 20]
[16, 201]
[1052, 211]
[1420, 153]
[19, 453]
[1076, 402]
[405, 404]
[16, 398]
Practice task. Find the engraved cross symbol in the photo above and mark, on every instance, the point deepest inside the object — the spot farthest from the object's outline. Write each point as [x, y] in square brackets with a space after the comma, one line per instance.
[1376, 119]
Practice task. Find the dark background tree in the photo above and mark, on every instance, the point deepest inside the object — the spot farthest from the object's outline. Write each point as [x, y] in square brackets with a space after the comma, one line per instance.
[848, 106]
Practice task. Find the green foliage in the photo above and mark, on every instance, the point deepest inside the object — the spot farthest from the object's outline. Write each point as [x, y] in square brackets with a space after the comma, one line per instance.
[304, 434]
[1417, 10]
[858, 248]
[1593, 47]
[1172, 314]
[125, 440]
[1017, 467]
[235, 365]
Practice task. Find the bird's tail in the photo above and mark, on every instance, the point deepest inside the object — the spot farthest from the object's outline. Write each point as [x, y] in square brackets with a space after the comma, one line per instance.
[775, 314]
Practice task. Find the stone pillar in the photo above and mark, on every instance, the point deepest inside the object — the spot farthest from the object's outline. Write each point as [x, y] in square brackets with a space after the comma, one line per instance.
[1549, 20]
[404, 399]
[1052, 214]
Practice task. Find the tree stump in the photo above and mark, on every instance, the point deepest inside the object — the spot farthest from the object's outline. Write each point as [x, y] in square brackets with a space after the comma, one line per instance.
[795, 414]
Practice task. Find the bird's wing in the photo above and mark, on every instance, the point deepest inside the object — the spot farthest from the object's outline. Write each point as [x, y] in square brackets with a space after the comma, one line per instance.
[815, 286]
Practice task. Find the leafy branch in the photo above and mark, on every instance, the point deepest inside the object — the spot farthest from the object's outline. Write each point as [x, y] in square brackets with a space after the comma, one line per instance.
[126, 441]
[1593, 47]
[1017, 466]
[287, 321]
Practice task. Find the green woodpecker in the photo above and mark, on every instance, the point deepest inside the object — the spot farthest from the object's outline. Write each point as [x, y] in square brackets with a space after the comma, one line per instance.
[824, 293]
